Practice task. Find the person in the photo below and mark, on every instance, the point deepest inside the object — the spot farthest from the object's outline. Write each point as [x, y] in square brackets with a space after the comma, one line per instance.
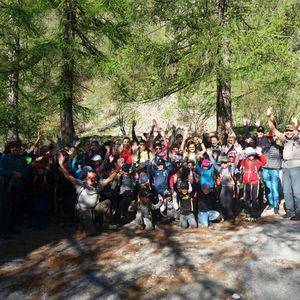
[226, 183]
[13, 167]
[255, 159]
[144, 210]
[160, 177]
[291, 166]
[206, 172]
[89, 205]
[127, 184]
[126, 151]
[40, 191]
[207, 212]
[270, 172]
[169, 208]
[186, 207]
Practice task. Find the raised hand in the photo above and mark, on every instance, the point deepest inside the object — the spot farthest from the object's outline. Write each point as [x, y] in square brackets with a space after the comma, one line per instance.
[270, 112]
[245, 120]
[257, 123]
[61, 158]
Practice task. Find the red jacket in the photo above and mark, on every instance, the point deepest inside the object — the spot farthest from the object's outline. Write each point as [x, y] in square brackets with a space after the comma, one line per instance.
[251, 171]
[126, 154]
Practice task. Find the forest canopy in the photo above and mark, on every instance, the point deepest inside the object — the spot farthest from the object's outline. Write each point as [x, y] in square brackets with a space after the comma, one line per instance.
[63, 60]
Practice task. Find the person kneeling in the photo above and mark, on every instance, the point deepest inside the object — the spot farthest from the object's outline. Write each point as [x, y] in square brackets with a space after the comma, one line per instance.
[186, 207]
[144, 210]
[89, 206]
[206, 204]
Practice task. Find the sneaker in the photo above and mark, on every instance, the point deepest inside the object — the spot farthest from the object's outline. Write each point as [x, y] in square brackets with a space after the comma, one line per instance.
[287, 215]
[295, 218]
[276, 211]
[269, 207]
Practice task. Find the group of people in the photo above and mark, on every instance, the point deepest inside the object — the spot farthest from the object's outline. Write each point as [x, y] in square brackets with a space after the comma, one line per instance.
[162, 176]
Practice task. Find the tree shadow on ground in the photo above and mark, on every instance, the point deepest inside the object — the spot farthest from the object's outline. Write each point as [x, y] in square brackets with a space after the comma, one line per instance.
[123, 264]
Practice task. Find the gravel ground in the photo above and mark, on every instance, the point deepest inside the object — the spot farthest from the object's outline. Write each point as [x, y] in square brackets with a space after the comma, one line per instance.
[250, 261]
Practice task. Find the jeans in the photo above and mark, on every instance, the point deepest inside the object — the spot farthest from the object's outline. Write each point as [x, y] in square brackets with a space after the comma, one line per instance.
[271, 180]
[186, 220]
[205, 216]
[291, 189]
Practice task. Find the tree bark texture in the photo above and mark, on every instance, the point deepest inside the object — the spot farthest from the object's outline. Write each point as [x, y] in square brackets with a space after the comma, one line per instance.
[68, 74]
[12, 133]
[223, 103]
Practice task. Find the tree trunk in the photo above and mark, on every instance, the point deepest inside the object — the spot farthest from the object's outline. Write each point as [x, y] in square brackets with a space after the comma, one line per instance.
[68, 74]
[223, 105]
[12, 133]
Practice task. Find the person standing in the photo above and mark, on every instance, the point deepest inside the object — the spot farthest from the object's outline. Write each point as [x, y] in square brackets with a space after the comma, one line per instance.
[291, 166]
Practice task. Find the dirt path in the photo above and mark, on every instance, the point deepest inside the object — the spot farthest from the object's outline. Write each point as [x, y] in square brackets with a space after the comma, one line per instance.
[256, 261]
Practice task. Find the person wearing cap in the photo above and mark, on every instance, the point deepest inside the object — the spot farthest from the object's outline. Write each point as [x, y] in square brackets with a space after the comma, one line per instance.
[270, 172]
[169, 208]
[186, 207]
[144, 210]
[160, 177]
[261, 140]
[250, 167]
[226, 184]
[291, 167]
[206, 171]
[142, 177]
[207, 212]
[127, 184]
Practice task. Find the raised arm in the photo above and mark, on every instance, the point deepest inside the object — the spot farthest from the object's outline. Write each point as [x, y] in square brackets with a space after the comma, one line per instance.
[65, 172]
[36, 143]
[271, 122]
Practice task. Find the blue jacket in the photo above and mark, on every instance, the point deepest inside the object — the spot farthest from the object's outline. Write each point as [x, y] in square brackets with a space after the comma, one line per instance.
[160, 178]
[10, 163]
[206, 175]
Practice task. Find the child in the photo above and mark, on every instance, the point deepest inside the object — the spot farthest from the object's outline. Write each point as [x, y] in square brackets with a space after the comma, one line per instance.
[206, 172]
[186, 207]
[126, 183]
[251, 165]
[144, 210]
[206, 205]
[169, 208]
[226, 183]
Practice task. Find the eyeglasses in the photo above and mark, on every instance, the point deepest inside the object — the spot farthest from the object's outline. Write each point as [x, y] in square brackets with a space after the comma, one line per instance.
[157, 148]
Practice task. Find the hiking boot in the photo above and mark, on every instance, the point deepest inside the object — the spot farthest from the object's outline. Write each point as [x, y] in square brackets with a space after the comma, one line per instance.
[276, 211]
[287, 215]
[269, 207]
[295, 218]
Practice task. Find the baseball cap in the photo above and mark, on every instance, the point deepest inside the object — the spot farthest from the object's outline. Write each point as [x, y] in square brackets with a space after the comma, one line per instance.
[290, 128]
[205, 163]
[160, 162]
[184, 185]
[144, 193]
[224, 159]
[260, 129]
[250, 151]
[96, 157]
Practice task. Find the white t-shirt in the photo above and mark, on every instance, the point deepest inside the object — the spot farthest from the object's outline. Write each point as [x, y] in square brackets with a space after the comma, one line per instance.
[87, 197]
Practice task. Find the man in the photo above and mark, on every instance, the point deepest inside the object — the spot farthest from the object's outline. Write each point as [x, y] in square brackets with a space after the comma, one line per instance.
[13, 168]
[291, 167]
[89, 204]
